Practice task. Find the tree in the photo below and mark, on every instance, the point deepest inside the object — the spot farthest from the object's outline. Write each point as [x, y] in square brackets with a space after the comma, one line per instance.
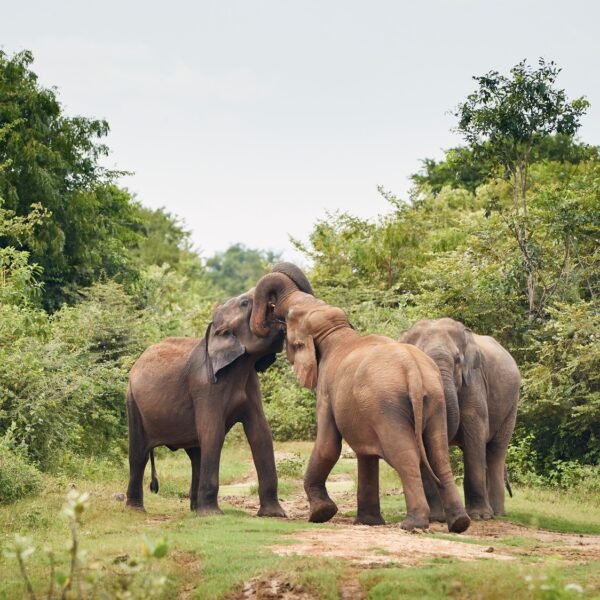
[505, 120]
[239, 268]
[53, 160]
[463, 167]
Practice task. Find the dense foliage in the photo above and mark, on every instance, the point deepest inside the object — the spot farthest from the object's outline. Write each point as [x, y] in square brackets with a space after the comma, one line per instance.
[89, 278]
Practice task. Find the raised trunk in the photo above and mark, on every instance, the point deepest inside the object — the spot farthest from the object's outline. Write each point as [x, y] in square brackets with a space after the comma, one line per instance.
[271, 290]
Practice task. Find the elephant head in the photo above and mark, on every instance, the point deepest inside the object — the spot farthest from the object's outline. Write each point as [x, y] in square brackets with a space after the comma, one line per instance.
[308, 323]
[452, 347]
[275, 293]
[229, 336]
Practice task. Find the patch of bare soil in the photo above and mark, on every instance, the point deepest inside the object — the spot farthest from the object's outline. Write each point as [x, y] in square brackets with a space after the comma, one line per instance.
[190, 565]
[367, 546]
[272, 588]
[373, 546]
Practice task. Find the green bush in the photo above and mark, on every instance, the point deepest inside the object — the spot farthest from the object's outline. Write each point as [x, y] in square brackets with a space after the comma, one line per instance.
[290, 409]
[18, 478]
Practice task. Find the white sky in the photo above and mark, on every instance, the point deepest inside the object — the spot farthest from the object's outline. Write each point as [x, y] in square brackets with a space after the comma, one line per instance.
[251, 119]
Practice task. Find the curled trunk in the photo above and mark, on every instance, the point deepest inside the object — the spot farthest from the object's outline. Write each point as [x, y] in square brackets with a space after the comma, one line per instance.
[271, 290]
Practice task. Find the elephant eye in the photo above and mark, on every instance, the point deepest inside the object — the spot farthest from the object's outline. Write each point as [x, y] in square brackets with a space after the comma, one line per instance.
[298, 345]
[245, 303]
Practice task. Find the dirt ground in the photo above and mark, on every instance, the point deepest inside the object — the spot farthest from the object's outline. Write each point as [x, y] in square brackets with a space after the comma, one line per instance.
[373, 546]
[367, 547]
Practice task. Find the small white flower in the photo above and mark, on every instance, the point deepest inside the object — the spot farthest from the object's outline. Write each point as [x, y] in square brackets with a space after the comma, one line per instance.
[574, 587]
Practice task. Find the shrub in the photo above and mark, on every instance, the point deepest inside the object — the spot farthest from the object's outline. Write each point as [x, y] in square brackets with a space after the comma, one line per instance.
[18, 478]
[290, 409]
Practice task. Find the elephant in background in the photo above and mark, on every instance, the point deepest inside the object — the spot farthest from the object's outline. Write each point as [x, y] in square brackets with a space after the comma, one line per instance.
[384, 398]
[188, 393]
[481, 386]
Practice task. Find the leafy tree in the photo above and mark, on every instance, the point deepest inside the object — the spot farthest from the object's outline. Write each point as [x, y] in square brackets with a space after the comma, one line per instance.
[504, 121]
[463, 167]
[52, 160]
[239, 268]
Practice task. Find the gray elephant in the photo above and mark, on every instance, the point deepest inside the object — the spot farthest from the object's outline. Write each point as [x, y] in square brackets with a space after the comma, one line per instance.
[481, 386]
[187, 393]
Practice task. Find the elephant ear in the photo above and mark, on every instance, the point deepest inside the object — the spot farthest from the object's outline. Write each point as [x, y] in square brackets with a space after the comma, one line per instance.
[222, 348]
[472, 358]
[304, 358]
[262, 364]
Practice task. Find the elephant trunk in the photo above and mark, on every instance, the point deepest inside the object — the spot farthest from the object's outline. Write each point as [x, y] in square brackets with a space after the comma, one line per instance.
[452, 408]
[272, 290]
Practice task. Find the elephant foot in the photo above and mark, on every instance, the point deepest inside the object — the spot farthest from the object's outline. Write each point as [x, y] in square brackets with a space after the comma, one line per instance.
[369, 520]
[480, 513]
[272, 510]
[207, 511]
[437, 517]
[135, 505]
[321, 511]
[412, 522]
[458, 523]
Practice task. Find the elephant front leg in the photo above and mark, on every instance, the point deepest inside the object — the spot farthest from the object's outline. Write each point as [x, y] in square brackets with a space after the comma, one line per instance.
[211, 444]
[369, 510]
[475, 483]
[261, 443]
[323, 458]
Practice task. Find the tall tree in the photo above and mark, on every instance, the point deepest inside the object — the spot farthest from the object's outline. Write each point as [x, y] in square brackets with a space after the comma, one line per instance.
[239, 268]
[505, 120]
[53, 160]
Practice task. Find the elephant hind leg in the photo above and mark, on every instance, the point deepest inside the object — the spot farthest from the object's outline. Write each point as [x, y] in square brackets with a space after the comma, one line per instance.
[138, 455]
[402, 453]
[433, 497]
[194, 454]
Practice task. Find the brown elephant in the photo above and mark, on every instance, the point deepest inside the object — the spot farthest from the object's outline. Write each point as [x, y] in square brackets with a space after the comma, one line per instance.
[384, 398]
[481, 386]
[187, 393]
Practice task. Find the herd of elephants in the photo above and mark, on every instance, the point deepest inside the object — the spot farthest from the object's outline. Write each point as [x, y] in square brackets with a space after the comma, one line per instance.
[404, 401]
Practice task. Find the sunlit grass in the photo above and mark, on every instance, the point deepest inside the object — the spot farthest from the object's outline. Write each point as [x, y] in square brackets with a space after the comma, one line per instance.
[211, 557]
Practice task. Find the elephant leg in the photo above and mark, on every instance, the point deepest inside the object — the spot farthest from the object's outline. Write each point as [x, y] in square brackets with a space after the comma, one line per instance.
[325, 454]
[436, 508]
[138, 457]
[194, 455]
[260, 439]
[369, 510]
[211, 444]
[496, 463]
[401, 452]
[475, 483]
[436, 446]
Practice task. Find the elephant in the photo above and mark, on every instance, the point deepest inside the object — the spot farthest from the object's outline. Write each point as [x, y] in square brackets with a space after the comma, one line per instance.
[188, 392]
[481, 386]
[384, 398]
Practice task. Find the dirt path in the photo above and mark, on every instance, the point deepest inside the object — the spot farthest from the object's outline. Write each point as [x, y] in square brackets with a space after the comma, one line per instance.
[372, 546]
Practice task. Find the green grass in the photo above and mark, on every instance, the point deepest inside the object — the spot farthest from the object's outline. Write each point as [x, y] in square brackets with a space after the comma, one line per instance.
[481, 579]
[555, 510]
[212, 557]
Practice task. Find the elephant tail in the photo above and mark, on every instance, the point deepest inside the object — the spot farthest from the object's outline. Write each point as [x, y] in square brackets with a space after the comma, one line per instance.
[417, 398]
[507, 482]
[154, 479]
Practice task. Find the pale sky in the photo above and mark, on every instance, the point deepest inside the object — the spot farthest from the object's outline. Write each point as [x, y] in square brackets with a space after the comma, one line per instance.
[251, 119]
